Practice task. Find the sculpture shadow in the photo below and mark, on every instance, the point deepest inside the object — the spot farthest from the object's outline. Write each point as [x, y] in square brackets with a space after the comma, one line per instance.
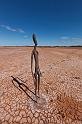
[23, 87]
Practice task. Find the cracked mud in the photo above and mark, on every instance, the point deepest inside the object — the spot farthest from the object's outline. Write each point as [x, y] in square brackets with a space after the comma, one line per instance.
[60, 99]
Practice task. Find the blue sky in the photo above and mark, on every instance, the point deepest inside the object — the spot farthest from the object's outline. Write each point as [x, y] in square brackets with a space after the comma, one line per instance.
[55, 22]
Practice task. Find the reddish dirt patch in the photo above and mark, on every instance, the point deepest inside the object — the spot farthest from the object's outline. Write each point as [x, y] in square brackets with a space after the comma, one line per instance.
[68, 107]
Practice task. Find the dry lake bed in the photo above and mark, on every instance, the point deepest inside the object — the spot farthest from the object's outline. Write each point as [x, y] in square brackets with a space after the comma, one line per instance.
[60, 99]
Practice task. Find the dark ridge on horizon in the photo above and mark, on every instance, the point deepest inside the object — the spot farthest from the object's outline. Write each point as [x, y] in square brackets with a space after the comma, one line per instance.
[44, 46]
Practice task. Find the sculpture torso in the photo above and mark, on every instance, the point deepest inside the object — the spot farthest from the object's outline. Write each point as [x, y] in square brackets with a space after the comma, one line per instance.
[35, 54]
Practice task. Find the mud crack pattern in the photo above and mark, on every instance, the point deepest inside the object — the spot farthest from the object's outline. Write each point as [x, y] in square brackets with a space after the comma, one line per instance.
[60, 99]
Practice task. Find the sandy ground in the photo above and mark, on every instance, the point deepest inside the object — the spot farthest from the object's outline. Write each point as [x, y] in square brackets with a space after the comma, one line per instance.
[60, 99]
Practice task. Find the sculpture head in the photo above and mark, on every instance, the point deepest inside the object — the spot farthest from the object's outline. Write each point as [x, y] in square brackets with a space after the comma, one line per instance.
[34, 39]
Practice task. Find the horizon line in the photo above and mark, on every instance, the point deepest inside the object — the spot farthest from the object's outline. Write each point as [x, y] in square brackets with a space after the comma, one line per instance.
[44, 46]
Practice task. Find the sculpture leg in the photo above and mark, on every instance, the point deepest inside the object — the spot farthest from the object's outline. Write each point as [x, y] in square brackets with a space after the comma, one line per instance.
[35, 82]
[38, 83]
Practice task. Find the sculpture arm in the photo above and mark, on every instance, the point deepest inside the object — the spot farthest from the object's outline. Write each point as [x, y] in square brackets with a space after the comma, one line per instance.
[32, 63]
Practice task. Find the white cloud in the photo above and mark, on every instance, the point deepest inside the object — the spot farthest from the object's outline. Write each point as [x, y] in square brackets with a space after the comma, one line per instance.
[64, 37]
[72, 40]
[67, 39]
[21, 31]
[25, 36]
[9, 28]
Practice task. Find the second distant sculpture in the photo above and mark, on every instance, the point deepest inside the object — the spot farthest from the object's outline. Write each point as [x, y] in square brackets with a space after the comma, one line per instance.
[36, 74]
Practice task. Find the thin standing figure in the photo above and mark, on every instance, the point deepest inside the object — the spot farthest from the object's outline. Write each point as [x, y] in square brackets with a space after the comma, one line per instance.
[37, 74]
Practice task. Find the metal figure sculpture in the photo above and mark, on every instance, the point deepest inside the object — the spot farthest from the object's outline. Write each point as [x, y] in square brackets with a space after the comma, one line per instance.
[37, 74]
